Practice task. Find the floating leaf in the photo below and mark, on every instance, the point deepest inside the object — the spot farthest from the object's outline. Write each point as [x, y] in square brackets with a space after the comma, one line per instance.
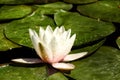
[14, 12]
[118, 42]
[57, 5]
[86, 29]
[25, 1]
[22, 73]
[102, 65]
[104, 10]
[89, 48]
[5, 44]
[80, 1]
[58, 76]
[17, 30]
[53, 7]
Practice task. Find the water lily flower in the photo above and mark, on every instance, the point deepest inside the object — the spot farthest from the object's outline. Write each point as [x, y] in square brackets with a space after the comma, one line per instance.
[53, 47]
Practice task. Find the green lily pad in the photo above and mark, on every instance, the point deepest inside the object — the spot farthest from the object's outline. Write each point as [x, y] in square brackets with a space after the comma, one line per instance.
[17, 30]
[118, 42]
[37, 72]
[15, 1]
[104, 10]
[25, 1]
[52, 8]
[22, 73]
[57, 5]
[80, 1]
[28, 73]
[86, 29]
[5, 44]
[58, 76]
[14, 12]
[102, 65]
[89, 48]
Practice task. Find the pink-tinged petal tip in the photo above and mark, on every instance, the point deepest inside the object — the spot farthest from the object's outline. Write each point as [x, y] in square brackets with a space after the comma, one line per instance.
[63, 66]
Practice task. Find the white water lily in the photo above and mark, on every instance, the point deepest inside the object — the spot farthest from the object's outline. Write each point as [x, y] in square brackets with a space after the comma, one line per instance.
[53, 47]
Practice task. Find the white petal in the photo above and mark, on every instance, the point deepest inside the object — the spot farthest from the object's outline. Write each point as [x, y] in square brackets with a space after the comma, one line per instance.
[56, 31]
[49, 29]
[27, 60]
[63, 66]
[70, 42]
[36, 42]
[75, 56]
[57, 50]
[69, 33]
[41, 33]
[62, 29]
[47, 36]
[32, 33]
[46, 53]
[64, 36]
[60, 46]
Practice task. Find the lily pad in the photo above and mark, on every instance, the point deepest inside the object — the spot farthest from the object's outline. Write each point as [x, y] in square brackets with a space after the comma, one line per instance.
[58, 76]
[80, 1]
[57, 5]
[102, 65]
[37, 72]
[86, 29]
[22, 73]
[104, 10]
[89, 48]
[118, 42]
[14, 12]
[15, 1]
[52, 8]
[17, 30]
[25, 1]
[5, 44]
